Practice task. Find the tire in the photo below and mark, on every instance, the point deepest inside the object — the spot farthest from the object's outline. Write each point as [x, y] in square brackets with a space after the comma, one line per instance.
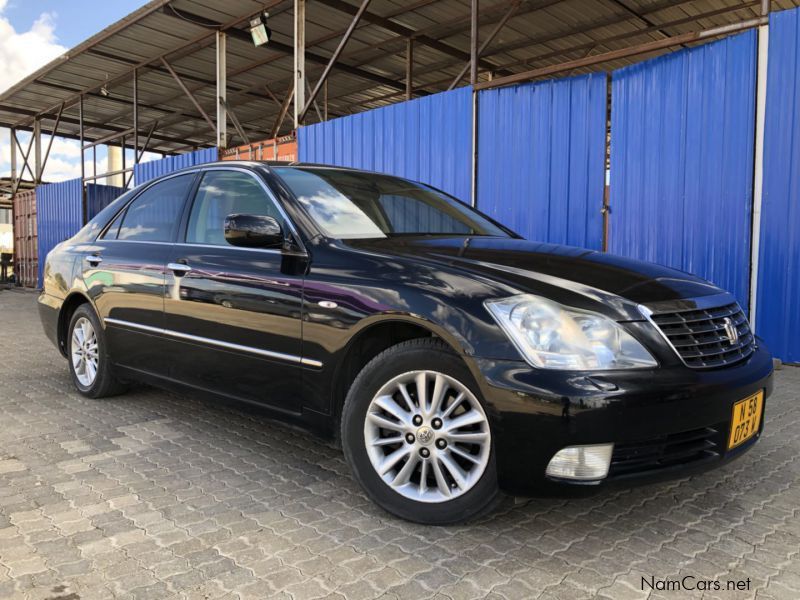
[384, 418]
[87, 354]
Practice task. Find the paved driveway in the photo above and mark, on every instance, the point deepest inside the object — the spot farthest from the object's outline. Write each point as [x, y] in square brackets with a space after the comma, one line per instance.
[152, 495]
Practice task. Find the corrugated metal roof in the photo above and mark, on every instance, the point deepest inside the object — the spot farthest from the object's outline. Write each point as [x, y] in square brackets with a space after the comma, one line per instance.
[371, 69]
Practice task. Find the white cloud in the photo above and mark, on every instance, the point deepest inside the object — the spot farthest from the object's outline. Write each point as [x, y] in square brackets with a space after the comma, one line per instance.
[22, 53]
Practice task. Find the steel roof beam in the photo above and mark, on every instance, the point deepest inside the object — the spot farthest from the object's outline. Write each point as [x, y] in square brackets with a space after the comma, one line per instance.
[52, 137]
[403, 31]
[630, 34]
[186, 47]
[362, 10]
[89, 125]
[289, 50]
[694, 36]
[485, 44]
[586, 28]
[189, 94]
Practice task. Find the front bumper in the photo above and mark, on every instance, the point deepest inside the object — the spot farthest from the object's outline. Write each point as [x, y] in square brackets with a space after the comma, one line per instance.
[536, 412]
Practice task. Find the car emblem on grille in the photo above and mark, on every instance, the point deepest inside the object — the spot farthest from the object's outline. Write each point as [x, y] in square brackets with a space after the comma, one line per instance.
[730, 331]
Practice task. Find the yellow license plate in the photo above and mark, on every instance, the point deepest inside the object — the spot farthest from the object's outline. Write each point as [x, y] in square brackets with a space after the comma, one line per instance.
[746, 419]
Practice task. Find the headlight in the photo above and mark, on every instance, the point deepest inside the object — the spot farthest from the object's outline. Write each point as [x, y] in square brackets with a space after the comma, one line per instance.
[552, 336]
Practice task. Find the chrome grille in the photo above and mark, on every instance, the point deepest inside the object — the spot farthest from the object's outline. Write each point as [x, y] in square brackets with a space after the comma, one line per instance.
[699, 335]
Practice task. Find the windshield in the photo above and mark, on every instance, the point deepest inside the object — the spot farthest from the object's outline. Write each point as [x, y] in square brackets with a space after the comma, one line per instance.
[351, 204]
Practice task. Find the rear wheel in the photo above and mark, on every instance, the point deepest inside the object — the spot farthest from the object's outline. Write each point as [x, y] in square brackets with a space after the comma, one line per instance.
[92, 372]
[417, 435]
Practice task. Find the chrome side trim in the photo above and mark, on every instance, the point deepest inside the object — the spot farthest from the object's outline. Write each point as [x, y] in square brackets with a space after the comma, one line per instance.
[648, 315]
[686, 304]
[308, 362]
[229, 247]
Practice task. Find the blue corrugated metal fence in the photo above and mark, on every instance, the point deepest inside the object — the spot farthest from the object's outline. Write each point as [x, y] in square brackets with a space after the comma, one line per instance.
[99, 196]
[778, 292]
[156, 168]
[427, 139]
[59, 209]
[541, 155]
[682, 137]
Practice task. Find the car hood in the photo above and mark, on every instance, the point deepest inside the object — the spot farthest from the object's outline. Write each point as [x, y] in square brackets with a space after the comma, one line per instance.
[528, 266]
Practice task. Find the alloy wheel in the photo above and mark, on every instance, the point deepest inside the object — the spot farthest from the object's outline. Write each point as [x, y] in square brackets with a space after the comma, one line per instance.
[84, 352]
[427, 436]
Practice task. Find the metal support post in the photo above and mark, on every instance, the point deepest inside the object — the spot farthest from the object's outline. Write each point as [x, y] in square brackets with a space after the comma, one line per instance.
[485, 44]
[473, 44]
[222, 86]
[299, 60]
[409, 68]
[84, 213]
[135, 117]
[325, 100]
[13, 143]
[758, 173]
[37, 150]
[334, 57]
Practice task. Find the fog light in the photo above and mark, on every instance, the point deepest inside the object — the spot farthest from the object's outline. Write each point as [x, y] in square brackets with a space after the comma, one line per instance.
[581, 462]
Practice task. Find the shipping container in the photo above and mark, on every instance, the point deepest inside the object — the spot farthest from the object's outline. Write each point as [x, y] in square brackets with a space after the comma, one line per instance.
[778, 291]
[59, 208]
[156, 168]
[682, 155]
[99, 196]
[427, 139]
[541, 158]
[26, 265]
[282, 149]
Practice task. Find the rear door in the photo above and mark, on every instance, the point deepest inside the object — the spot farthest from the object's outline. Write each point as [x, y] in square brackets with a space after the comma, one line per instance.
[234, 314]
[125, 273]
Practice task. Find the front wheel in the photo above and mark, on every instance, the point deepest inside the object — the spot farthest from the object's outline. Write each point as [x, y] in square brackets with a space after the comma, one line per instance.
[417, 436]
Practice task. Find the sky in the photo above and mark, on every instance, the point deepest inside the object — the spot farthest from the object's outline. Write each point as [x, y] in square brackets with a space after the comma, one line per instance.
[34, 32]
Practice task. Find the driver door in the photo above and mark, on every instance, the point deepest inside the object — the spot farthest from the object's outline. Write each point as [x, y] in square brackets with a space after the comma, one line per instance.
[233, 315]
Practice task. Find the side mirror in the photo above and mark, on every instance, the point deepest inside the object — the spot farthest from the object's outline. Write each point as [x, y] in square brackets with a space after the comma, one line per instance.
[253, 231]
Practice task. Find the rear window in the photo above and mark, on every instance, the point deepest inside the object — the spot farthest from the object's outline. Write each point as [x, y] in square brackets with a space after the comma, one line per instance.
[154, 215]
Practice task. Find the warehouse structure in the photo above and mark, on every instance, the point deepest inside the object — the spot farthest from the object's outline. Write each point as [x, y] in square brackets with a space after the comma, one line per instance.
[552, 116]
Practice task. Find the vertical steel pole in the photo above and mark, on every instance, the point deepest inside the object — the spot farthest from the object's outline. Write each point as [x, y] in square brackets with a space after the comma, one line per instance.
[124, 174]
[37, 149]
[473, 44]
[473, 79]
[409, 68]
[84, 213]
[14, 186]
[299, 59]
[135, 118]
[222, 86]
[606, 209]
[13, 136]
[325, 99]
[758, 173]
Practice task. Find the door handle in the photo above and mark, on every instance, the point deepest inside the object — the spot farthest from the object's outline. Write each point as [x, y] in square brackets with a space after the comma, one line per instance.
[179, 269]
[94, 260]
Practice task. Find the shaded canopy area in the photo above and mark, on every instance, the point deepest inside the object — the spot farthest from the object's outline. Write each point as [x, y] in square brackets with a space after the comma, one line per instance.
[171, 47]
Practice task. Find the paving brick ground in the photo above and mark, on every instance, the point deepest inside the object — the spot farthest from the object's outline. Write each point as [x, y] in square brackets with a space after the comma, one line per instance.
[152, 495]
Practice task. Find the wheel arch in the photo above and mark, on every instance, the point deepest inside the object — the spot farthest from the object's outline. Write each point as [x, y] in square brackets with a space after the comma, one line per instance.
[372, 337]
[68, 307]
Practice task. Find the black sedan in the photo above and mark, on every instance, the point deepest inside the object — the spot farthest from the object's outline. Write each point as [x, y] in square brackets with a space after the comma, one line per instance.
[451, 357]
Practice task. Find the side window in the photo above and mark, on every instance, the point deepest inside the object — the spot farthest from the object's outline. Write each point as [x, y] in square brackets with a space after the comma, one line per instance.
[153, 215]
[220, 194]
[113, 230]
